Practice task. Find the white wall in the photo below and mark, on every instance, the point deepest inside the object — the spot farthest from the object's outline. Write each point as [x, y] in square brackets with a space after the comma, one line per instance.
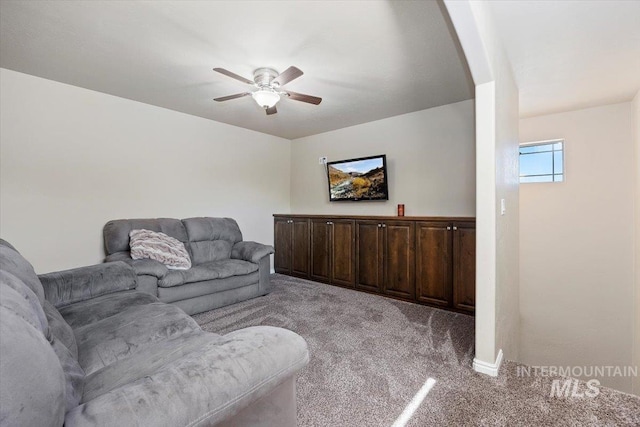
[72, 159]
[430, 163]
[507, 183]
[576, 244]
[497, 247]
[636, 323]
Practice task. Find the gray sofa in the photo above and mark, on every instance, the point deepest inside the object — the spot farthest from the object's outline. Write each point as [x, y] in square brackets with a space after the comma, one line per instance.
[84, 348]
[225, 269]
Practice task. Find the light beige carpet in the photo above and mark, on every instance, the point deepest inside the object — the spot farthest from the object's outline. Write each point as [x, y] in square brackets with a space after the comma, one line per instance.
[371, 355]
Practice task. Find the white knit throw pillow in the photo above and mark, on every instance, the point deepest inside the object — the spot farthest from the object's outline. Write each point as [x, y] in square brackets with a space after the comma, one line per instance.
[160, 247]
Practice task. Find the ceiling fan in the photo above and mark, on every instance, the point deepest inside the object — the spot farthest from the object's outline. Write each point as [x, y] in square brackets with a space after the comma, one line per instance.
[268, 82]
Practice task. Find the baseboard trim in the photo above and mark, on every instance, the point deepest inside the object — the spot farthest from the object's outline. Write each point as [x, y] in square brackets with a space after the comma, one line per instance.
[491, 369]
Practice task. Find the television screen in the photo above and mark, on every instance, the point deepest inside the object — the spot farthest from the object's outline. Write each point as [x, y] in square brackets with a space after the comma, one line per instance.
[364, 178]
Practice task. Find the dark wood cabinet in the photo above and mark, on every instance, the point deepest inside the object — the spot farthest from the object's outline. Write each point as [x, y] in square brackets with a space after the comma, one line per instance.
[420, 259]
[446, 264]
[282, 243]
[369, 255]
[291, 239]
[343, 252]
[333, 251]
[385, 253]
[433, 263]
[320, 250]
[464, 266]
[398, 266]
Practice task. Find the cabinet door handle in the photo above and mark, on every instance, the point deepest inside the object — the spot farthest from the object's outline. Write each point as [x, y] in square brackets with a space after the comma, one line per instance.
[448, 228]
[379, 225]
[455, 228]
[328, 223]
[384, 225]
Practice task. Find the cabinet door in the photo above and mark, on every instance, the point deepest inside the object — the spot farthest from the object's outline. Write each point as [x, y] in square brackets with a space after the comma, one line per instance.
[300, 247]
[433, 263]
[320, 250]
[399, 258]
[464, 266]
[343, 236]
[369, 254]
[282, 244]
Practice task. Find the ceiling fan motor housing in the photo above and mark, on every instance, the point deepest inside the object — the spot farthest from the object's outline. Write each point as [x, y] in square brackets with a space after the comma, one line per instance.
[264, 76]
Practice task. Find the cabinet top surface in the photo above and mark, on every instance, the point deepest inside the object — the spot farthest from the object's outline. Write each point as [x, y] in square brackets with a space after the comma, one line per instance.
[380, 217]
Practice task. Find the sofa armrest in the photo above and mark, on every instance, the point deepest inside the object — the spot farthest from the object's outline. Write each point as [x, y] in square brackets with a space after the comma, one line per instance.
[251, 251]
[119, 256]
[79, 284]
[150, 267]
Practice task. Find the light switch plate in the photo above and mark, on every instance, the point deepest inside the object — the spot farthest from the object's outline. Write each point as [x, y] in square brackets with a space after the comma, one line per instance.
[322, 160]
[503, 207]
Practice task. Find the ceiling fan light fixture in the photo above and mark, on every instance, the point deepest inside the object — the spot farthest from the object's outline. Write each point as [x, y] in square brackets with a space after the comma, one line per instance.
[266, 98]
[268, 83]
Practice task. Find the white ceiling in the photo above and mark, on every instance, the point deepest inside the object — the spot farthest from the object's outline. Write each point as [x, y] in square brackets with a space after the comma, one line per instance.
[571, 54]
[368, 60]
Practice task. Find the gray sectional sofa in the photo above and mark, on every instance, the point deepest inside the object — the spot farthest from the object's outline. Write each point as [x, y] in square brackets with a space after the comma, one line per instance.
[225, 269]
[84, 348]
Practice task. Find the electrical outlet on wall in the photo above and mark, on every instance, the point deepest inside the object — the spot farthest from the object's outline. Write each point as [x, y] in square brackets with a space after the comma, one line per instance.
[322, 160]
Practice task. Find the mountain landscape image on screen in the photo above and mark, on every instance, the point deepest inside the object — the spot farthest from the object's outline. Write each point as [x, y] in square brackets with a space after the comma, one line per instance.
[357, 180]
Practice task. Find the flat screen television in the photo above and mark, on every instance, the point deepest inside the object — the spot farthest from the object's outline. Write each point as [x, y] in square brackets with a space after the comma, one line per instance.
[364, 178]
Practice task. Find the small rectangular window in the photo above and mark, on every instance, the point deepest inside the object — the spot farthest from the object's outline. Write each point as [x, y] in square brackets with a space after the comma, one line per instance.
[542, 161]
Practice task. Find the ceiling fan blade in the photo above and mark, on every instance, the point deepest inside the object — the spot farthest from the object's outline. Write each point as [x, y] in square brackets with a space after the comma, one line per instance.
[287, 75]
[304, 98]
[233, 75]
[271, 110]
[237, 95]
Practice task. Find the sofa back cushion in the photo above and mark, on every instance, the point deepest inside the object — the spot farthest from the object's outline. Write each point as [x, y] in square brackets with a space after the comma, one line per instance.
[33, 386]
[36, 326]
[11, 261]
[211, 239]
[60, 329]
[116, 232]
[17, 297]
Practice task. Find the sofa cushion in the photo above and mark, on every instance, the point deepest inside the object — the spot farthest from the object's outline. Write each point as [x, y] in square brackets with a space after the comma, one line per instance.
[211, 239]
[204, 387]
[144, 362]
[93, 310]
[206, 287]
[116, 232]
[208, 271]
[210, 250]
[60, 329]
[157, 246]
[14, 263]
[121, 335]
